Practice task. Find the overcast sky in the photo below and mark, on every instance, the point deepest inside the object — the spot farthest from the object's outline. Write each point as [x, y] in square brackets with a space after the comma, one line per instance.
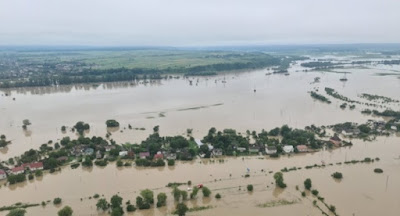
[198, 23]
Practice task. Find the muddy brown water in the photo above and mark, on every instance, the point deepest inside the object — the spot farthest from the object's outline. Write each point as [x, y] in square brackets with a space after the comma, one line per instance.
[208, 103]
[360, 192]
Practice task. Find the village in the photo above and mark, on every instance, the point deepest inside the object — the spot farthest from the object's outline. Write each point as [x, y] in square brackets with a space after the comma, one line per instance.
[156, 149]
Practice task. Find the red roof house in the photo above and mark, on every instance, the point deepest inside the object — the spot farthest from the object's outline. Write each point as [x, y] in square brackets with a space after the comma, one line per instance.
[17, 170]
[35, 166]
[302, 148]
[158, 156]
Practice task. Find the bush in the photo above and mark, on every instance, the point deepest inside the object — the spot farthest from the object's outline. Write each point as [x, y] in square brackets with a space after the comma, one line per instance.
[120, 163]
[130, 208]
[102, 204]
[250, 188]
[378, 170]
[332, 208]
[337, 175]
[66, 211]
[161, 199]
[112, 123]
[218, 196]
[12, 179]
[303, 193]
[315, 192]
[171, 162]
[96, 196]
[181, 209]
[206, 192]
[38, 173]
[30, 176]
[57, 201]
[17, 212]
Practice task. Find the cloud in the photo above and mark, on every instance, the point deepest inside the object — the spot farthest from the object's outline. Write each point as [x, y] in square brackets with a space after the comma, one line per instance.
[201, 22]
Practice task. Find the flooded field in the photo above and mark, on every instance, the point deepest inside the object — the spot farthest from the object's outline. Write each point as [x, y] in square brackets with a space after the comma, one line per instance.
[242, 101]
[360, 192]
[225, 101]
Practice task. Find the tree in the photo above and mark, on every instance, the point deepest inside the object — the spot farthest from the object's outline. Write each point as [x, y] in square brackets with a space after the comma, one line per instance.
[218, 196]
[206, 192]
[102, 204]
[117, 211]
[278, 176]
[26, 122]
[250, 188]
[184, 195]
[176, 193]
[17, 212]
[307, 184]
[66, 211]
[3, 137]
[57, 201]
[148, 196]
[181, 209]
[161, 199]
[120, 163]
[194, 192]
[141, 204]
[116, 201]
[81, 126]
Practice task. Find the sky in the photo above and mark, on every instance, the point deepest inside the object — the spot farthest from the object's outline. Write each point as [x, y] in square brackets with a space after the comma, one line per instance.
[198, 23]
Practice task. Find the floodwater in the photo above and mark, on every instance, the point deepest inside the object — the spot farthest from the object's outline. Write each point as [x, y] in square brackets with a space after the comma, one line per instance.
[175, 105]
[360, 192]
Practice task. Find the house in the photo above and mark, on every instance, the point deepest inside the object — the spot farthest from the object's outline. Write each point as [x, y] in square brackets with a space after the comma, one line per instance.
[302, 148]
[123, 153]
[241, 149]
[131, 154]
[185, 155]
[98, 155]
[288, 148]
[159, 155]
[3, 174]
[270, 150]
[17, 170]
[62, 159]
[144, 155]
[351, 132]
[347, 132]
[35, 166]
[336, 141]
[254, 149]
[77, 151]
[198, 142]
[109, 147]
[170, 156]
[216, 152]
[88, 151]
